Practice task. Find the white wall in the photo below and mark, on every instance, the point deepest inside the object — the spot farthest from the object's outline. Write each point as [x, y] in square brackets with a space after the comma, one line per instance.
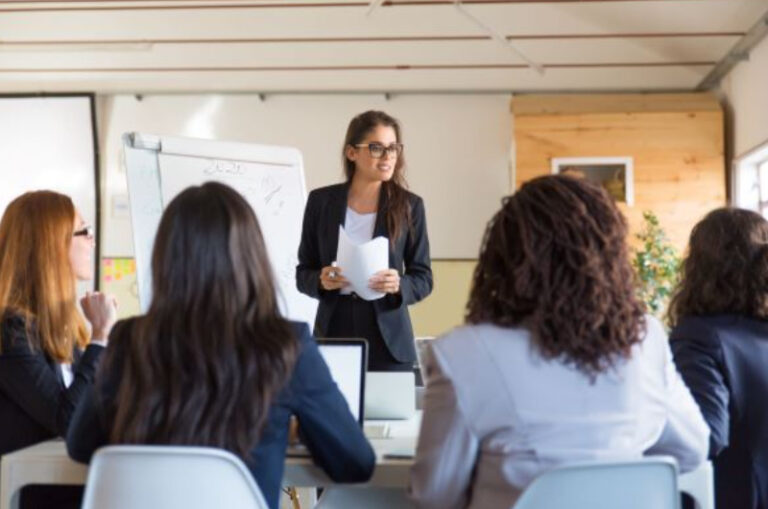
[47, 143]
[746, 91]
[457, 149]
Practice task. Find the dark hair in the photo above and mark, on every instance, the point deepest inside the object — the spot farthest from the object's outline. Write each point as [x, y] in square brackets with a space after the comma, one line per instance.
[554, 259]
[726, 268]
[397, 212]
[204, 364]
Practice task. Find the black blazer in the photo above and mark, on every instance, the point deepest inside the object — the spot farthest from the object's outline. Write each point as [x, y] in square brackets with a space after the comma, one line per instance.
[34, 403]
[724, 361]
[326, 209]
[331, 433]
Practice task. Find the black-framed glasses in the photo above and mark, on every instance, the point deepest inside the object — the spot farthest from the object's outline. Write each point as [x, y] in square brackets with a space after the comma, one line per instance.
[86, 231]
[377, 149]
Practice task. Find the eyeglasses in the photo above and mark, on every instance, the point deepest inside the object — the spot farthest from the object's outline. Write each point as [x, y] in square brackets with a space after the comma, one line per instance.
[377, 149]
[86, 231]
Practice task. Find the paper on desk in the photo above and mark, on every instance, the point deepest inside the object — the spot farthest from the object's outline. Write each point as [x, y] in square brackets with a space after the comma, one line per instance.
[361, 261]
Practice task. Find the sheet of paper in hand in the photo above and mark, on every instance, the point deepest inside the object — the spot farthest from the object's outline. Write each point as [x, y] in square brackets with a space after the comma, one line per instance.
[360, 262]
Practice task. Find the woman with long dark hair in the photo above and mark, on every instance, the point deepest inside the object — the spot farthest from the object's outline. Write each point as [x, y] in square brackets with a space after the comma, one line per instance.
[556, 363]
[719, 314]
[372, 202]
[212, 362]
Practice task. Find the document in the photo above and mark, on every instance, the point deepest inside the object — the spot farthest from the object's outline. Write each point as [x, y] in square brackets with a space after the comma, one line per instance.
[359, 262]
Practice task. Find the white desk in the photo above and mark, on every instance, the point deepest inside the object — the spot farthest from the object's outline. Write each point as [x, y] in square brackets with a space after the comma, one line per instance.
[44, 463]
[48, 463]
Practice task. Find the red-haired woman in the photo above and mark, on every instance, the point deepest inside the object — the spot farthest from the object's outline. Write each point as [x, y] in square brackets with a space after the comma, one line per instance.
[557, 362]
[48, 356]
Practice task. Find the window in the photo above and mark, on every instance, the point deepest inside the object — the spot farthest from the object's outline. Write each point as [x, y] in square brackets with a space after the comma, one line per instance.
[750, 181]
[762, 172]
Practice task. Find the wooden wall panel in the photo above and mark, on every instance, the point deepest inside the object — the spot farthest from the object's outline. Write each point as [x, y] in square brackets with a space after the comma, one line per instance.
[679, 165]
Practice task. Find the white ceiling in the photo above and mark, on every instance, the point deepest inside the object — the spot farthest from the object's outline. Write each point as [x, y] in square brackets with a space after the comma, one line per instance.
[404, 45]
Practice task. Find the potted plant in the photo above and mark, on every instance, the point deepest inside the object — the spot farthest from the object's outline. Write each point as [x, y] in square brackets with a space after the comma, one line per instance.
[656, 263]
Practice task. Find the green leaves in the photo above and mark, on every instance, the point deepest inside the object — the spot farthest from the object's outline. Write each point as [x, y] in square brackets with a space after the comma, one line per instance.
[656, 265]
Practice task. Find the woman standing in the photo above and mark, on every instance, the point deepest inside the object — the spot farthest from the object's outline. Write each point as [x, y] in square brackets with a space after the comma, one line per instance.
[719, 314]
[372, 202]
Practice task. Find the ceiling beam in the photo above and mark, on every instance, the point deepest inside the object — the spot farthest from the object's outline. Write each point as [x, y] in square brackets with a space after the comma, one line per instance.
[414, 38]
[411, 67]
[153, 5]
[739, 53]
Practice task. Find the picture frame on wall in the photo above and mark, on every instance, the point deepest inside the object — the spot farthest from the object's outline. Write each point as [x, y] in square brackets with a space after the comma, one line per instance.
[614, 174]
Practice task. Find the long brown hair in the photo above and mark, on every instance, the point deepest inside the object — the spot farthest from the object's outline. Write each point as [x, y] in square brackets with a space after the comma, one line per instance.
[726, 268]
[397, 212]
[554, 259]
[36, 277]
[207, 360]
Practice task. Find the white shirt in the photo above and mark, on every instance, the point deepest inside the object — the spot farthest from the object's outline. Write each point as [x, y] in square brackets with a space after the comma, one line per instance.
[66, 373]
[359, 228]
[66, 368]
[496, 414]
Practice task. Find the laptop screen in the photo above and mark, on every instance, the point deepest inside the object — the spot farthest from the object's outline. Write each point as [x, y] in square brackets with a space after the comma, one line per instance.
[347, 361]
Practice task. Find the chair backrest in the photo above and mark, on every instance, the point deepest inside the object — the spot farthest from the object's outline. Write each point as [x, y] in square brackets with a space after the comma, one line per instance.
[642, 484]
[146, 477]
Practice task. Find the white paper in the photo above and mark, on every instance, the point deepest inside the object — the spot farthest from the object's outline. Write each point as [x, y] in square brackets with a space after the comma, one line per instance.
[359, 262]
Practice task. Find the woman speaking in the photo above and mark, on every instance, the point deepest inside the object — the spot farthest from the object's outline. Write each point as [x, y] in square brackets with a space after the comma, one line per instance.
[372, 202]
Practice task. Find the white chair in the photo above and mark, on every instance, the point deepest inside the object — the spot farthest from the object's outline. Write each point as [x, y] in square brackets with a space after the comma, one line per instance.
[167, 477]
[648, 483]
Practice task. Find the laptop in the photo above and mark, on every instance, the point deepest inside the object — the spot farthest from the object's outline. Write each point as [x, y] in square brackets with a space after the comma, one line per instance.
[347, 359]
[390, 395]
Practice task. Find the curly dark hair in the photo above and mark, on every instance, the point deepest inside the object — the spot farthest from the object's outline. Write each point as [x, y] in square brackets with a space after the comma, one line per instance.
[726, 267]
[554, 259]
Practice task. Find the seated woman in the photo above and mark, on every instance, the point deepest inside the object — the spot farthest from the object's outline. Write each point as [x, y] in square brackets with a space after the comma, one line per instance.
[213, 363]
[720, 343]
[47, 355]
[557, 362]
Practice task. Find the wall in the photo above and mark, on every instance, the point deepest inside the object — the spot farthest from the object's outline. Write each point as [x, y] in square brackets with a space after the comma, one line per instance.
[444, 309]
[676, 142]
[745, 90]
[457, 148]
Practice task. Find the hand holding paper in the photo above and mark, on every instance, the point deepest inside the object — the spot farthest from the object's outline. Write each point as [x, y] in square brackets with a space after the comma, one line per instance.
[331, 277]
[361, 262]
[387, 281]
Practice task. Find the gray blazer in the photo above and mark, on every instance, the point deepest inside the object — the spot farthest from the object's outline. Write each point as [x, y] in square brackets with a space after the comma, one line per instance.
[496, 415]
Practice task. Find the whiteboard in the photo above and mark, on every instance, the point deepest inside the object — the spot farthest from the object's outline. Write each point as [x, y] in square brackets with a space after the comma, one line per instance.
[48, 143]
[270, 178]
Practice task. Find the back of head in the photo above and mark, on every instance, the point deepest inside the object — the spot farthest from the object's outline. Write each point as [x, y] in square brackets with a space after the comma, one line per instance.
[36, 277]
[554, 259]
[206, 361]
[726, 268]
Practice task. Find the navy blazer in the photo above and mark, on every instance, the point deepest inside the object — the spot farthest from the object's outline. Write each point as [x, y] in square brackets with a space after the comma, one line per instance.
[724, 361]
[330, 432]
[327, 209]
[35, 405]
